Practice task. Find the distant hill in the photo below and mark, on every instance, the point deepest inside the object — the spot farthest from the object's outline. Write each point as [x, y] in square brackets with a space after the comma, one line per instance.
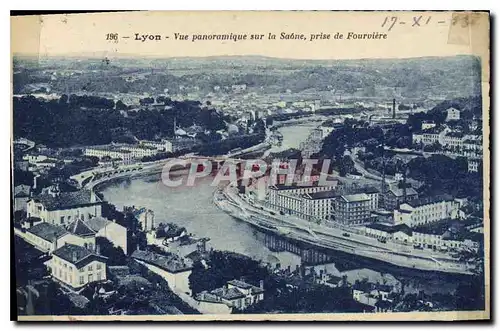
[451, 77]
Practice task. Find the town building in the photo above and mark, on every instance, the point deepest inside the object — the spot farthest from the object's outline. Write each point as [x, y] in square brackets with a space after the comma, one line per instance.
[276, 191]
[46, 236]
[307, 202]
[395, 196]
[399, 233]
[173, 268]
[86, 232]
[235, 294]
[109, 151]
[468, 145]
[428, 125]
[22, 194]
[146, 217]
[423, 211]
[317, 206]
[77, 266]
[161, 146]
[61, 208]
[473, 165]
[83, 235]
[452, 114]
[352, 209]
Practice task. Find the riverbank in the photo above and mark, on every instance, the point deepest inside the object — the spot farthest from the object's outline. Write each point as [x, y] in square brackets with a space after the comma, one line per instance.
[333, 238]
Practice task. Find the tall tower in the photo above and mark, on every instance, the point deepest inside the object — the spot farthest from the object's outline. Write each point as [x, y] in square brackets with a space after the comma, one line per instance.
[393, 108]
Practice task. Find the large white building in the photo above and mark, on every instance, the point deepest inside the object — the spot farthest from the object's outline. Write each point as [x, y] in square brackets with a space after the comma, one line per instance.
[62, 208]
[109, 151]
[308, 202]
[162, 146]
[126, 152]
[468, 145]
[423, 211]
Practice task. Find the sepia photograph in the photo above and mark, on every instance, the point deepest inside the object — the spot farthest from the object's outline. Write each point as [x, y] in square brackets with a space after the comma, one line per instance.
[216, 168]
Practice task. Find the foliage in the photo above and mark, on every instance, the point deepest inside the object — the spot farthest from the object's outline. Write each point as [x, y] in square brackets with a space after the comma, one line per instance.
[225, 266]
[115, 255]
[90, 121]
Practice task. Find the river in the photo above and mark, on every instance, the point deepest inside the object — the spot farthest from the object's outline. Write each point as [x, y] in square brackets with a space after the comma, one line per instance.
[192, 207]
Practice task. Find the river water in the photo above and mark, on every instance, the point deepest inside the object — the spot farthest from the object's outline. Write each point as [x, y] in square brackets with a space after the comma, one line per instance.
[192, 207]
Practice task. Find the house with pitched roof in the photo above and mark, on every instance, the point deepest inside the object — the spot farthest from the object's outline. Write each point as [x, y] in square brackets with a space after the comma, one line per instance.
[426, 210]
[47, 237]
[235, 294]
[21, 196]
[83, 235]
[173, 268]
[85, 232]
[111, 230]
[76, 266]
[395, 196]
[62, 208]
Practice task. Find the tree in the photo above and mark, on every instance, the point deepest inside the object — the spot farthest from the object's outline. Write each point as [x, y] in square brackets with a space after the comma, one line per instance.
[120, 105]
[114, 254]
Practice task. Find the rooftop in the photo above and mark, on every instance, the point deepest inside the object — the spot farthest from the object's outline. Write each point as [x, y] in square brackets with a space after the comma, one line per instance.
[430, 200]
[399, 192]
[77, 255]
[21, 191]
[97, 223]
[293, 187]
[66, 200]
[243, 285]
[79, 228]
[171, 262]
[391, 228]
[320, 195]
[47, 231]
[356, 197]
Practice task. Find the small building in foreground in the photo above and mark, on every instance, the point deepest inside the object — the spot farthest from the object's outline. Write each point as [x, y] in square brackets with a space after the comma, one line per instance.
[77, 266]
[235, 294]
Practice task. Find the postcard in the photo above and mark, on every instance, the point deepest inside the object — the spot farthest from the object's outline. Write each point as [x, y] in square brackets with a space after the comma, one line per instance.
[251, 166]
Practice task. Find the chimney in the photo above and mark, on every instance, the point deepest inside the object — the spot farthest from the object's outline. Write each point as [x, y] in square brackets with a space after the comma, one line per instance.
[74, 257]
[98, 249]
[261, 284]
[393, 108]
[55, 240]
[34, 181]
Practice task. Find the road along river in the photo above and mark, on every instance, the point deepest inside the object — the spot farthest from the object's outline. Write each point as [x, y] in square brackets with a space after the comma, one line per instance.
[193, 208]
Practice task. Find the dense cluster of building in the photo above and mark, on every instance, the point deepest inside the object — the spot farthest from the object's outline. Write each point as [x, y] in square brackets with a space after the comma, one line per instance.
[452, 139]
[388, 214]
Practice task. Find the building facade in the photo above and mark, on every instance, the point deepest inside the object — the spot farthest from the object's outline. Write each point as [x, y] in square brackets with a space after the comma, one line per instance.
[352, 209]
[62, 208]
[77, 266]
[423, 211]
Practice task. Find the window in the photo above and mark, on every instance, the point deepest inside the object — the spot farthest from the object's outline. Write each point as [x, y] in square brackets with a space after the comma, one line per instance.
[81, 280]
[91, 278]
[90, 268]
[81, 269]
[98, 267]
[62, 219]
[99, 275]
[70, 278]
